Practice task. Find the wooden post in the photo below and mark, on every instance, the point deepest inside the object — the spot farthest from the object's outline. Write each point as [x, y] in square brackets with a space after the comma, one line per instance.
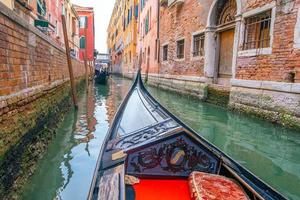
[74, 95]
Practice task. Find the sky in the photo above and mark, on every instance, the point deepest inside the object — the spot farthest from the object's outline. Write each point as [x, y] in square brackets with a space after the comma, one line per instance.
[103, 10]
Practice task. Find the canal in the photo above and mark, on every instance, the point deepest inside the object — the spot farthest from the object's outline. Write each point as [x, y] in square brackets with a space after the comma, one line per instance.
[65, 172]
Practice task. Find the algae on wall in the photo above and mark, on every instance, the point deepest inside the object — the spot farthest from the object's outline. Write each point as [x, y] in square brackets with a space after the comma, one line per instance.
[27, 134]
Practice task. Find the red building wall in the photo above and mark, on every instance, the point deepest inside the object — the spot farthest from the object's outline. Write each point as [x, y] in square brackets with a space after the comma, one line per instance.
[88, 32]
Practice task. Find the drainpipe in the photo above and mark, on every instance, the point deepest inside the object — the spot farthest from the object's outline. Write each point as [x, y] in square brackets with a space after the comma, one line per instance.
[157, 37]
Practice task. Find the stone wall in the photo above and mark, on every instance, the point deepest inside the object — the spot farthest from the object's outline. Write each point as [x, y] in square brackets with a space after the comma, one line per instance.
[34, 95]
[274, 101]
[193, 86]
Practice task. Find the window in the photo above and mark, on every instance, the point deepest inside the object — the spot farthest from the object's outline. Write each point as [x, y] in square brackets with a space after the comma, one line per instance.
[257, 31]
[82, 42]
[147, 24]
[165, 52]
[83, 22]
[180, 49]
[198, 45]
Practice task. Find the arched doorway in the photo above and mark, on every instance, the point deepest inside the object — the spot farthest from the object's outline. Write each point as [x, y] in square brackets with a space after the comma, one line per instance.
[222, 41]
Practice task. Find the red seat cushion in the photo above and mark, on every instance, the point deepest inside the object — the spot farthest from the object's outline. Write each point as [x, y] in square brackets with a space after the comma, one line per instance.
[213, 187]
[160, 189]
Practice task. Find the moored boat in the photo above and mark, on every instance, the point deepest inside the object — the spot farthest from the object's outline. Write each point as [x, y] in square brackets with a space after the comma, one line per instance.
[150, 154]
[101, 74]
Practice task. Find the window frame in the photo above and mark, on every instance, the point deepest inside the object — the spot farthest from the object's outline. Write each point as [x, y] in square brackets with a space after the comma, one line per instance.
[251, 13]
[177, 49]
[202, 35]
[85, 21]
[165, 57]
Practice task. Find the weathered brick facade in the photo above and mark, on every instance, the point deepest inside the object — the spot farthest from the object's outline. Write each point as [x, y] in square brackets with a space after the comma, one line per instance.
[182, 22]
[284, 58]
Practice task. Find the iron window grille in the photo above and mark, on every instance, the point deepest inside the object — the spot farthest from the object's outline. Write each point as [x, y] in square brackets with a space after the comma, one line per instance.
[198, 45]
[257, 31]
[180, 49]
[165, 52]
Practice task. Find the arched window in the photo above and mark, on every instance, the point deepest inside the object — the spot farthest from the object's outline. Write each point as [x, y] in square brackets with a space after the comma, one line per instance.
[82, 42]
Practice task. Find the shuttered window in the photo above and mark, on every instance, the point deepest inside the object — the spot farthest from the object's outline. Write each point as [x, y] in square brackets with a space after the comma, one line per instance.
[82, 42]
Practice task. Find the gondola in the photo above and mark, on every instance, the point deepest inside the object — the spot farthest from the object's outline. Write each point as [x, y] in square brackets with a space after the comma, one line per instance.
[149, 154]
[101, 77]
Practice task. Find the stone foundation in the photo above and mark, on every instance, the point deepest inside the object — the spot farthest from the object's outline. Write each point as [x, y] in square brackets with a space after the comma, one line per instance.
[26, 129]
[276, 102]
[193, 86]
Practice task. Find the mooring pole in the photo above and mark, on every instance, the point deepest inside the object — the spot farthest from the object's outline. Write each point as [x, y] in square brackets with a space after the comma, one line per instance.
[73, 88]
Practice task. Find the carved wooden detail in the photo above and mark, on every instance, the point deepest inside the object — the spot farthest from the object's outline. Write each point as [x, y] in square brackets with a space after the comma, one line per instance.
[228, 12]
[178, 156]
[142, 135]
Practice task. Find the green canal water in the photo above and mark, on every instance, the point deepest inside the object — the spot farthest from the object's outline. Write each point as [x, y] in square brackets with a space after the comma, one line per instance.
[65, 172]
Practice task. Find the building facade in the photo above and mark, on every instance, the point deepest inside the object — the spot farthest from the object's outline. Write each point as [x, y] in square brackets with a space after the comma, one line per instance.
[46, 16]
[249, 46]
[115, 39]
[86, 32]
[130, 36]
[148, 35]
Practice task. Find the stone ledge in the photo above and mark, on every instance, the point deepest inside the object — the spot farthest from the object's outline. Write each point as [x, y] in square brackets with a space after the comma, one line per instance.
[182, 77]
[7, 100]
[267, 85]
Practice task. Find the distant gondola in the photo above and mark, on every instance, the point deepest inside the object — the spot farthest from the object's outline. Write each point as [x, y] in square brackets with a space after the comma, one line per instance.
[149, 154]
[101, 74]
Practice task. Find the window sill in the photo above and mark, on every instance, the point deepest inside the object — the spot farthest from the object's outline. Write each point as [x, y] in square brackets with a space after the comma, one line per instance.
[255, 52]
[196, 58]
[179, 59]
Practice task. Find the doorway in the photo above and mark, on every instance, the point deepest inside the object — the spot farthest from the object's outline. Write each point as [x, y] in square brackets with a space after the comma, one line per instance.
[225, 56]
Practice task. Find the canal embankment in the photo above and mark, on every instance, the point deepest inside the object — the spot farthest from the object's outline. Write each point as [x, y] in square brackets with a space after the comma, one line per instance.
[272, 101]
[34, 96]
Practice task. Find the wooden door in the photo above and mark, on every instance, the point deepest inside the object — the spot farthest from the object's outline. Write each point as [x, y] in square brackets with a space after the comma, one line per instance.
[226, 53]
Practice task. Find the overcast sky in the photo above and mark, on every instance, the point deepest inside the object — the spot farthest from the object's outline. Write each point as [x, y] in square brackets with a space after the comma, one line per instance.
[103, 10]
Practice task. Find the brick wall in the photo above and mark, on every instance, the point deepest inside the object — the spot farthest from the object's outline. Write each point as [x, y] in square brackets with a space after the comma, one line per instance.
[284, 58]
[181, 22]
[27, 57]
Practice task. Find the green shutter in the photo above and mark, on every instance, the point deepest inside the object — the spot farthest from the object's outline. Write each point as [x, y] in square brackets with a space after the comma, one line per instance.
[82, 43]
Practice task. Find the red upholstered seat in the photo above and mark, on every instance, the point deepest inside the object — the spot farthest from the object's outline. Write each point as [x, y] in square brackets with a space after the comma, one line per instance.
[213, 187]
[162, 189]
